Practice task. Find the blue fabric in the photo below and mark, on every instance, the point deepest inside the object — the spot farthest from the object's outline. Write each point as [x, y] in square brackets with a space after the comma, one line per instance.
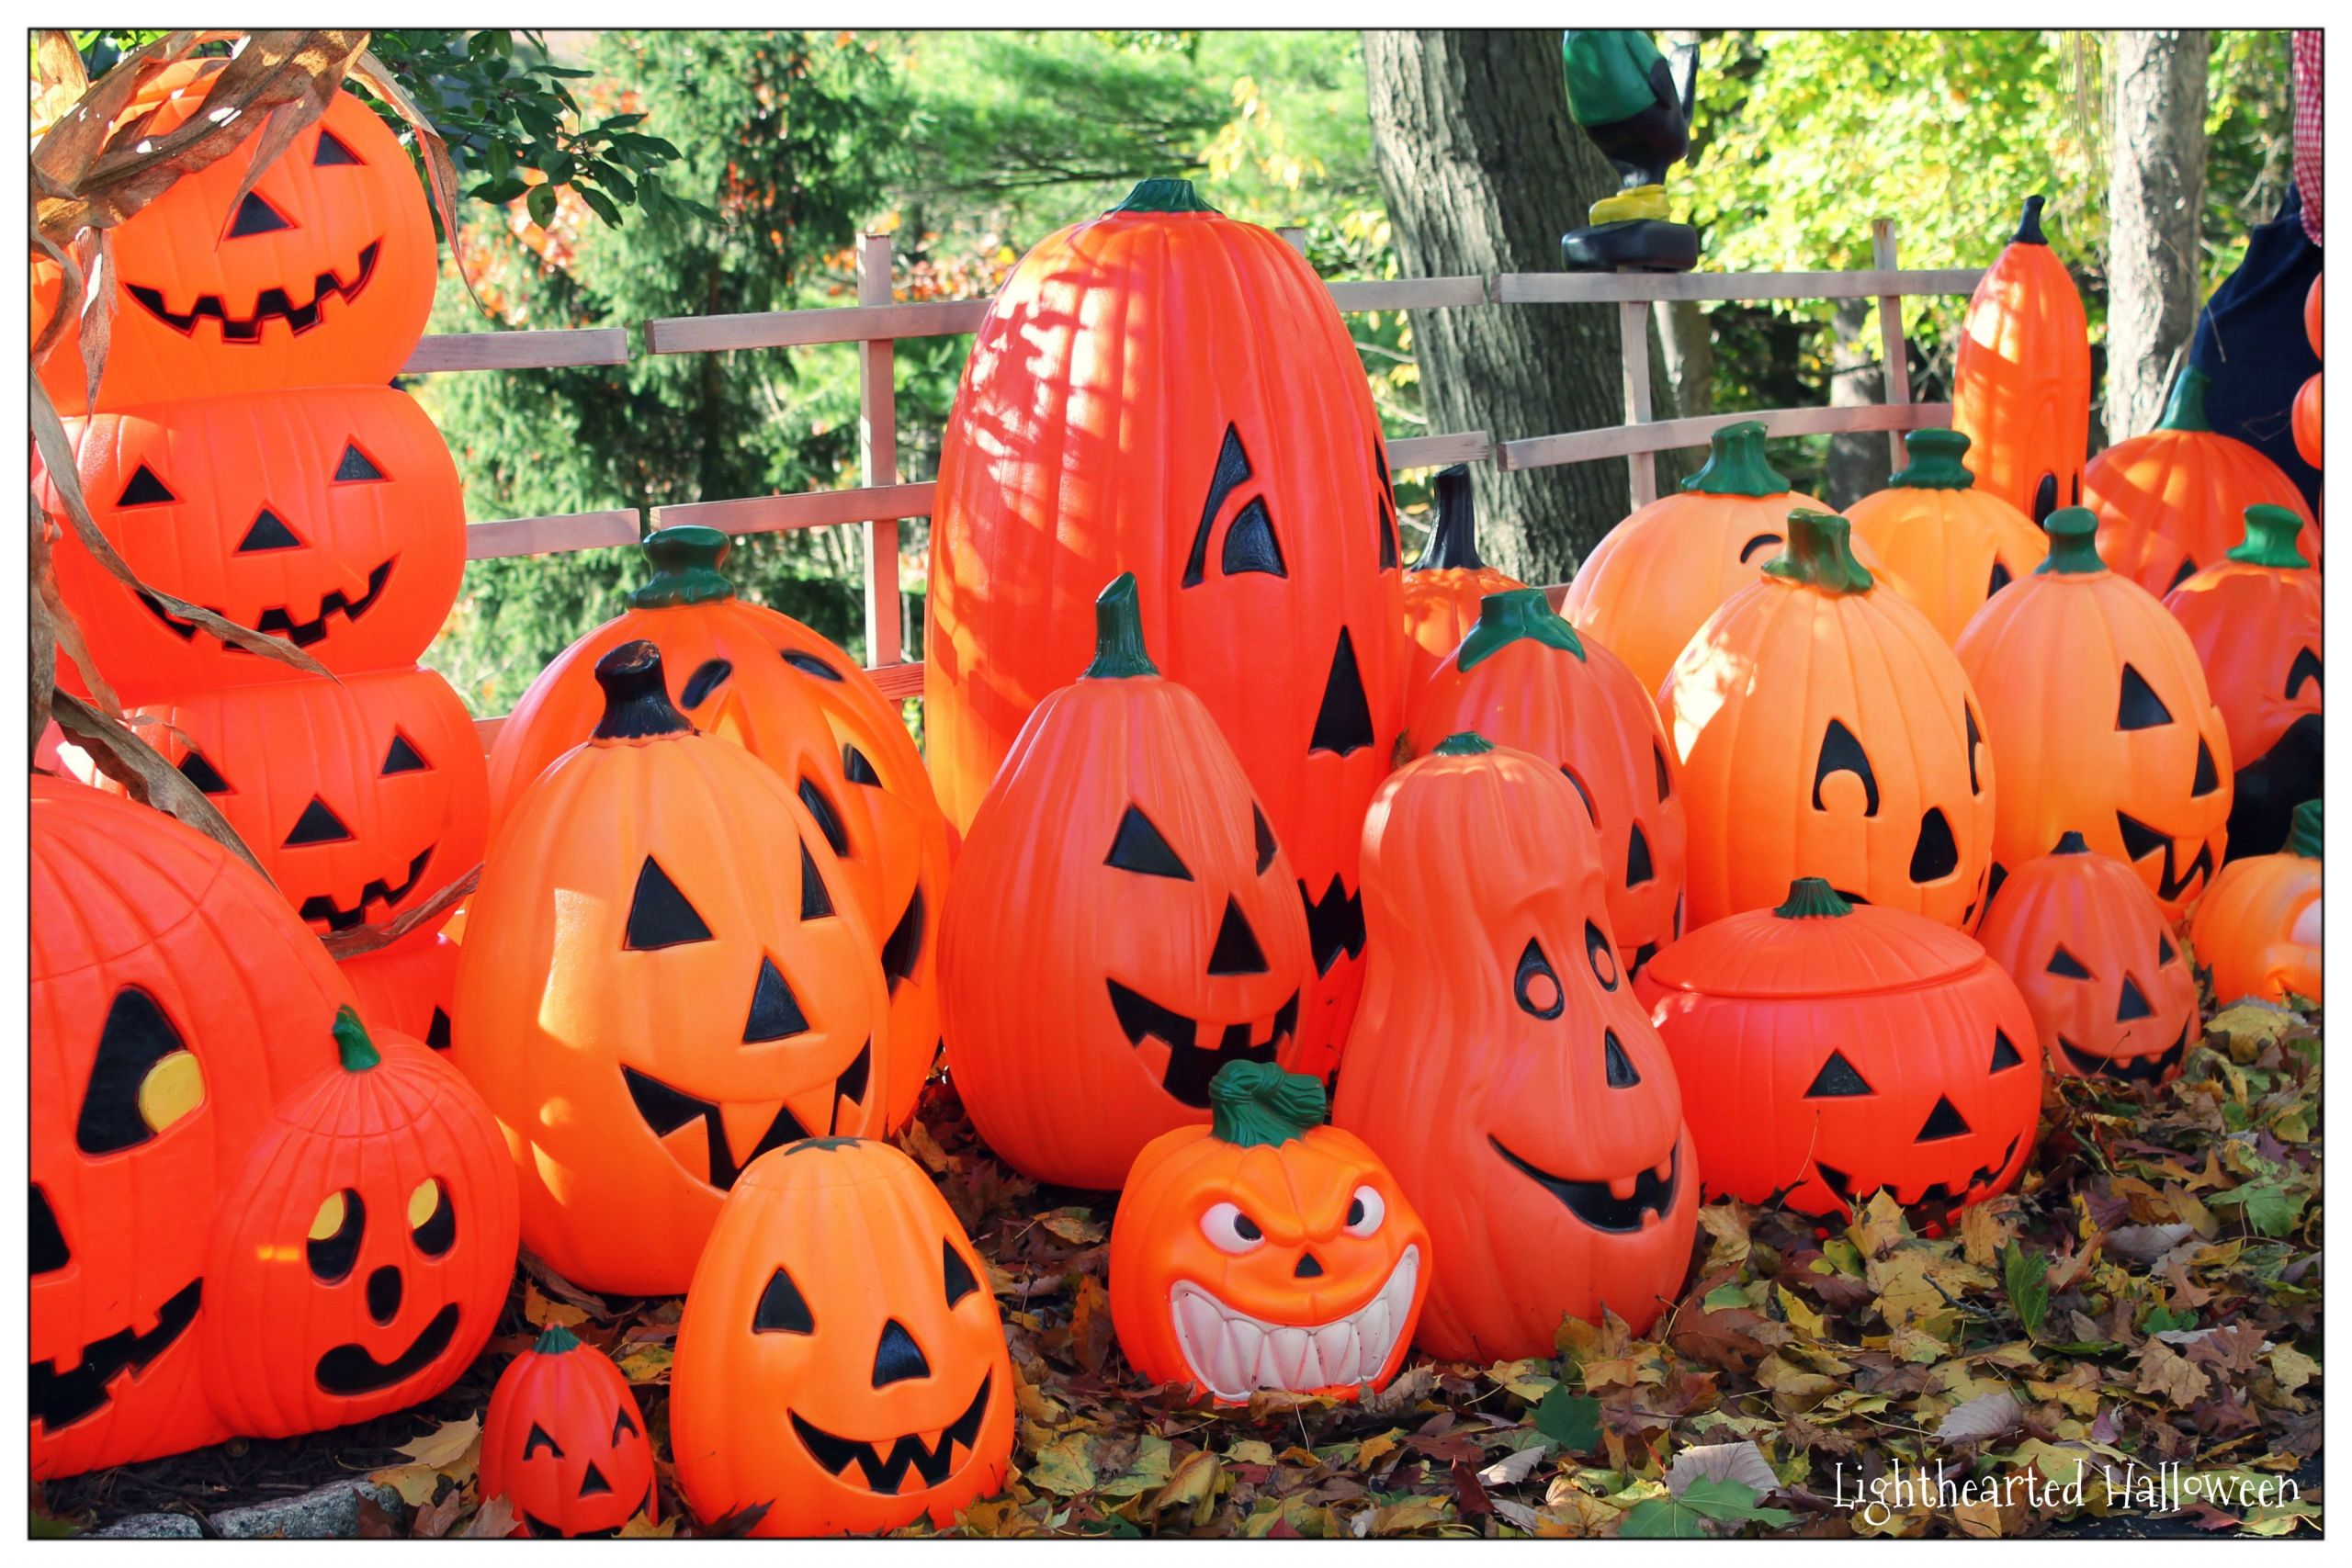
[2250, 340]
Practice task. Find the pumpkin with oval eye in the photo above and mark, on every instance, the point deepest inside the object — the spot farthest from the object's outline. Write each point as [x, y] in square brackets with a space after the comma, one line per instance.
[840, 1358]
[2021, 385]
[175, 1001]
[409, 987]
[1122, 923]
[1942, 543]
[1502, 1067]
[1265, 1250]
[2098, 720]
[2255, 621]
[1446, 581]
[663, 976]
[1822, 728]
[564, 1442]
[329, 516]
[1829, 1050]
[2258, 928]
[1523, 678]
[2111, 994]
[323, 273]
[1654, 578]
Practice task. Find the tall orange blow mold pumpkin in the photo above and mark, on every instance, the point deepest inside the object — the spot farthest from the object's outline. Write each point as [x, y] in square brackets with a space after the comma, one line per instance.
[2255, 621]
[408, 987]
[663, 976]
[1266, 1250]
[841, 1360]
[2021, 386]
[175, 1001]
[2258, 929]
[1446, 581]
[564, 1442]
[364, 1253]
[1828, 1051]
[2099, 721]
[1939, 541]
[1121, 925]
[1655, 577]
[1167, 391]
[1822, 727]
[1502, 1066]
[2169, 503]
[1523, 678]
[362, 796]
[322, 275]
[782, 691]
[2091, 950]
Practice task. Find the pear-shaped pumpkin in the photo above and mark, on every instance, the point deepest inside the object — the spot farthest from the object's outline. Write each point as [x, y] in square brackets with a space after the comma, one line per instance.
[2021, 385]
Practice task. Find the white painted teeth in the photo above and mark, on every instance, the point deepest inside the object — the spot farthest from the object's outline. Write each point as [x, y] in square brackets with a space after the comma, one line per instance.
[1231, 1353]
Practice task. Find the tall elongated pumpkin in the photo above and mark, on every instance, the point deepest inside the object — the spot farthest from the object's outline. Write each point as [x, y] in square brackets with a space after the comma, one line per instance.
[1942, 543]
[1167, 391]
[2021, 388]
[1446, 581]
[2258, 929]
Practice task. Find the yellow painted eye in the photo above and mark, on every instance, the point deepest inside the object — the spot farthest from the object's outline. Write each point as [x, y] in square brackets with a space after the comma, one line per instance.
[173, 1087]
[423, 1202]
[329, 1220]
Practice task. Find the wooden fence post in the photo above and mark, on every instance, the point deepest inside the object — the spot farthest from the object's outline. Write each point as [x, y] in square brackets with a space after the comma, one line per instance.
[1893, 352]
[1634, 333]
[878, 460]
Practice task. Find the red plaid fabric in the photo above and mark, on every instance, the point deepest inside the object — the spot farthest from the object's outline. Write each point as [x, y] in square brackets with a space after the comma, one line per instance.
[2307, 126]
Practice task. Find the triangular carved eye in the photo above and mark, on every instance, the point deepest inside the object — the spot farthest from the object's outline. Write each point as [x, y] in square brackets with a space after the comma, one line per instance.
[623, 1422]
[960, 1282]
[776, 1011]
[859, 770]
[2139, 708]
[782, 1309]
[1537, 986]
[2005, 1052]
[1232, 467]
[145, 489]
[1265, 838]
[1250, 545]
[828, 821]
[2306, 668]
[2166, 952]
[255, 216]
[1139, 847]
[403, 757]
[354, 467]
[816, 900]
[197, 768]
[137, 1035]
[659, 915]
[539, 1440]
[1998, 580]
[1841, 753]
[333, 151]
[269, 532]
[1837, 1081]
[2065, 963]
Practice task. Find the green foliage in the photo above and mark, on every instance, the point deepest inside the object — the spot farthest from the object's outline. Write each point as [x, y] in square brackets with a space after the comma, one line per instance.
[1705, 1501]
[1571, 1420]
[2026, 1276]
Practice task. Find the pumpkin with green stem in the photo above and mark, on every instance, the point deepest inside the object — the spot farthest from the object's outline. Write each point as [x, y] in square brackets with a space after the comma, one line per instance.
[1942, 543]
[2258, 928]
[1446, 581]
[564, 1442]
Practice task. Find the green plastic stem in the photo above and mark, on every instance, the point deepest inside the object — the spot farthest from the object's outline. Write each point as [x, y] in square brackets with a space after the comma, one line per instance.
[2185, 410]
[2073, 542]
[359, 1052]
[555, 1340]
[1453, 544]
[1506, 617]
[1810, 897]
[1253, 1104]
[1163, 195]
[2271, 539]
[1934, 462]
[1737, 464]
[1820, 554]
[1463, 743]
[685, 562]
[2303, 838]
[1118, 634]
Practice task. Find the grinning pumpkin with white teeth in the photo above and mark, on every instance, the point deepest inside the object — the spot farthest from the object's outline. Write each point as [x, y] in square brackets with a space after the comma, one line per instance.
[1265, 1250]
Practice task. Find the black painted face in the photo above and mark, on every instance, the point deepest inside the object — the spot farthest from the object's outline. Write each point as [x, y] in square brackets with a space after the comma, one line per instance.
[2124, 995]
[341, 1261]
[1855, 1151]
[1935, 851]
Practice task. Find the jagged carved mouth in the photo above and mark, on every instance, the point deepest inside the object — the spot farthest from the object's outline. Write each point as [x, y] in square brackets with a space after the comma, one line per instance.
[348, 1371]
[277, 621]
[541, 1527]
[60, 1399]
[319, 907]
[2139, 841]
[1191, 1064]
[272, 305]
[2153, 1066]
[665, 1110]
[1934, 1201]
[886, 1472]
[1231, 1352]
[1334, 923]
[1596, 1202]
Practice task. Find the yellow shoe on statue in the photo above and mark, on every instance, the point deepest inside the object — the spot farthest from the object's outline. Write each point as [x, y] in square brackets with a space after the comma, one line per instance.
[1642, 201]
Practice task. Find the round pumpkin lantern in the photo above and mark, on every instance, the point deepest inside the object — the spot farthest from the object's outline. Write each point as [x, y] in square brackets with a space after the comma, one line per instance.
[362, 796]
[663, 976]
[1655, 577]
[2111, 994]
[2258, 929]
[2311, 314]
[2255, 621]
[322, 273]
[364, 1255]
[1121, 925]
[840, 1359]
[564, 1442]
[2170, 502]
[1822, 727]
[1167, 391]
[752, 675]
[1446, 581]
[1266, 1250]
[329, 516]
[1524, 679]
[1829, 1050]
[408, 987]
[174, 1000]
[1940, 542]
[2021, 386]
[2099, 720]
[2307, 421]
[1501, 1065]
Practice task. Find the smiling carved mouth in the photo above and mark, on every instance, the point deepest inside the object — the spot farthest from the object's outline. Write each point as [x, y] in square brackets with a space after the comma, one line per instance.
[1229, 1352]
[60, 1399]
[2151, 1067]
[271, 305]
[886, 1472]
[1190, 1064]
[1595, 1203]
[277, 621]
[665, 1110]
[319, 907]
[348, 1370]
[1934, 1201]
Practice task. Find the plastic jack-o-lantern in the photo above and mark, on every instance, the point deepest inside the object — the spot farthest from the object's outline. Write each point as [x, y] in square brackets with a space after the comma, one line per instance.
[1167, 391]
[1940, 542]
[322, 274]
[663, 976]
[2099, 722]
[1121, 925]
[749, 674]
[1655, 577]
[1502, 1066]
[408, 987]
[2255, 621]
[2021, 385]
[1829, 1050]
[2111, 994]
[2258, 928]
[329, 516]
[564, 1442]
[175, 1001]
[840, 1359]
[1523, 678]
[1266, 1250]
[1822, 728]
[1446, 581]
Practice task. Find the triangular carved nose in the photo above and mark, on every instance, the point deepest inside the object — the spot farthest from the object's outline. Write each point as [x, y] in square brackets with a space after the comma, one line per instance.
[269, 532]
[256, 217]
[318, 825]
[1944, 1122]
[1237, 951]
[1343, 724]
[897, 1358]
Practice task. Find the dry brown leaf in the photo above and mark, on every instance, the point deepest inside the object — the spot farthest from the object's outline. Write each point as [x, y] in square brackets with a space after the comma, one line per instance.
[144, 774]
[494, 1520]
[1740, 1461]
[1986, 1416]
[446, 1444]
[367, 938]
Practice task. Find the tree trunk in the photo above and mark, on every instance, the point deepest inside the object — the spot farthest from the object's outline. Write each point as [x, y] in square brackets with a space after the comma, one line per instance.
[1857, 459]
[1483, 171]
[2154, 195]
[1690, 351]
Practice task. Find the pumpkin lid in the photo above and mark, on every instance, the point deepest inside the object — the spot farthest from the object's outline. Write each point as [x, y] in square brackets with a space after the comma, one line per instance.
[2271, 539]
[1254, 1104]
[1453, 544]
[358, 1051]
[637, 704]
[1934, 462]
[2185, 410]
[555, 1340]
[1508, 617]
[2029, 224]
[1820, 554]
[1820, 944]
[1118, 634]
[1163, 195]
[1737, 464]
[2074, 543]
[685, 561]
[2303, 838]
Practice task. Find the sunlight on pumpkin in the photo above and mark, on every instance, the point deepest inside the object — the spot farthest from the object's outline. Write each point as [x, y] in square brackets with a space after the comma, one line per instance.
[2305, 932]
[173, 1087]
[1701, 686]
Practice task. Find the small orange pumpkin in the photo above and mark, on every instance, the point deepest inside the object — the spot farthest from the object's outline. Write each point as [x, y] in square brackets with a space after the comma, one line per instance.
[2111, 994]
[408, 987]
[2258, 928]
[1942, 543]
[2311, 314]
[2307, 421]
[2021, 386]
[564, 1442]
[1265, 1250]
[1446, 581]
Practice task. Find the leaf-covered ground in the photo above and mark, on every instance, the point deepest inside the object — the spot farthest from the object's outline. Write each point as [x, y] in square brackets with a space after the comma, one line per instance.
[2129, 1344]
